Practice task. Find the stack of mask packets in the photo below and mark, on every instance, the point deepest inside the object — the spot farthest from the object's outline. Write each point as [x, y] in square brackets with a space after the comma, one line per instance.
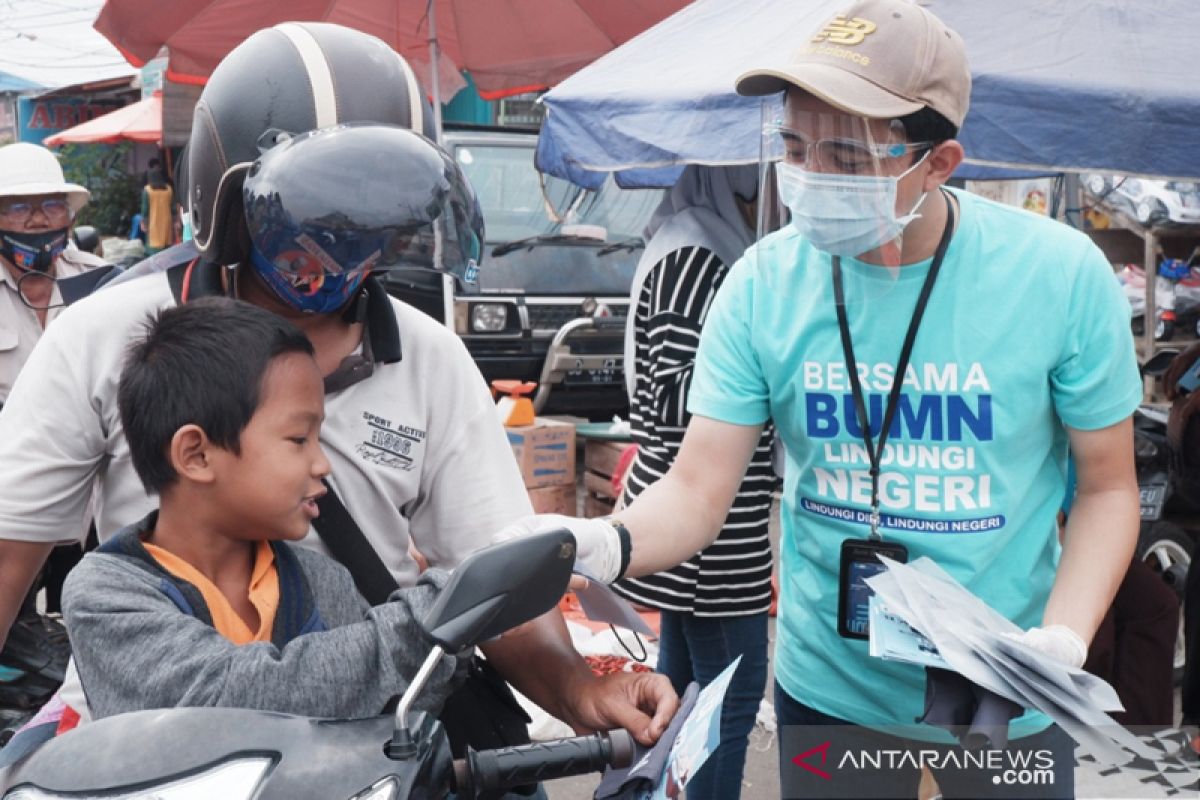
[921, 615]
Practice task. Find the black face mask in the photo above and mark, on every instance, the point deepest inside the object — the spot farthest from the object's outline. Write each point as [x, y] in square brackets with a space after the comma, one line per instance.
[33, 252]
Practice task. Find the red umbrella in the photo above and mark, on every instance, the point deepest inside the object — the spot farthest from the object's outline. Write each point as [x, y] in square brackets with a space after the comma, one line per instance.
[139, 122]
[508, 46]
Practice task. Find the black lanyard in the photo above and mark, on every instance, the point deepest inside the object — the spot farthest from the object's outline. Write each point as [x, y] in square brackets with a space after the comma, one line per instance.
[874, 454]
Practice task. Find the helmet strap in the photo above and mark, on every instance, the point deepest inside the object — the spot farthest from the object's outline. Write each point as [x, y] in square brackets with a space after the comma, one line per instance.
[355, 311]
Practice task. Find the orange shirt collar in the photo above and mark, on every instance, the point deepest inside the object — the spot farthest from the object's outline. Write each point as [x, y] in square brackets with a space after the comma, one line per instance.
[263, 592]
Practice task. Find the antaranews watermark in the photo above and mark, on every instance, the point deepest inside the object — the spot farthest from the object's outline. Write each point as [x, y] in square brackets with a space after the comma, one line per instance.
[847, 761]
[1015, 766]
[851, 762]
[829, 761]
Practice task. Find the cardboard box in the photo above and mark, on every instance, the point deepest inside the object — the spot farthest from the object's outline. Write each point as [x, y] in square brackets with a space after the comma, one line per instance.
[603, 456]
[545, 452]
[554, 500]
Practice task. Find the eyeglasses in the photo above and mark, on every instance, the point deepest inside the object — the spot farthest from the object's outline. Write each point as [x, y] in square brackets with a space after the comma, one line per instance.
[844, 155]
[18, 213]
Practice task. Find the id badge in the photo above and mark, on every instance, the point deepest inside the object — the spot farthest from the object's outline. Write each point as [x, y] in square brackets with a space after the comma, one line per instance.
[860, 560]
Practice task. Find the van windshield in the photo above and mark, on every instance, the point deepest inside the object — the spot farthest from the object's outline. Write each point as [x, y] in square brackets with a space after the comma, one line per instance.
[538, 255]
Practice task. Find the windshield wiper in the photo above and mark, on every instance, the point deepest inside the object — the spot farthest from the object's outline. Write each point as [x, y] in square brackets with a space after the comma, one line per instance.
[531, 242]
[632, 244]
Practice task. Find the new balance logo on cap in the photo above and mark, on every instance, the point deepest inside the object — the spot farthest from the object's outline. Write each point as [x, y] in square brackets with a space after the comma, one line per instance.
[846, 31]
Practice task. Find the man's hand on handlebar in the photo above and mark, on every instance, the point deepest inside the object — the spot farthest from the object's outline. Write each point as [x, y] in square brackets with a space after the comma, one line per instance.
[642, 703]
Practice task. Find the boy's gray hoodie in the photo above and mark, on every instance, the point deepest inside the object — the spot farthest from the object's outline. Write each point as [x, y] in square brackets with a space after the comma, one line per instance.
[143, 639]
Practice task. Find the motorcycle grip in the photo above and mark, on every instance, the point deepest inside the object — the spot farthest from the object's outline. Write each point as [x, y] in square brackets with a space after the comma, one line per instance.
[504, 768]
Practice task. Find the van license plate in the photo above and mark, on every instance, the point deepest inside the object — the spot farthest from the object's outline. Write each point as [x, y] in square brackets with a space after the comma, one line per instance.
[591, 377]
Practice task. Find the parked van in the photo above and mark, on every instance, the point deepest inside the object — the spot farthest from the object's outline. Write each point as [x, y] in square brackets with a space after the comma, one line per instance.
[552, 294]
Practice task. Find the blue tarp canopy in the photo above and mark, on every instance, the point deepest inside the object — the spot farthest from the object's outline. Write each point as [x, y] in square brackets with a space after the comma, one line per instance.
[1070, 85]
[13, 83]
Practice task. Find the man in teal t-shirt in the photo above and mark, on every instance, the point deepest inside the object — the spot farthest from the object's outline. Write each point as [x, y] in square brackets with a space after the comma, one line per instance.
[1014, 345]
[1020, 346]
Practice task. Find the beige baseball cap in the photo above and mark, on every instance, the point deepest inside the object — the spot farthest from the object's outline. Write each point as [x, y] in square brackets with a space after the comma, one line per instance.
[880, 59]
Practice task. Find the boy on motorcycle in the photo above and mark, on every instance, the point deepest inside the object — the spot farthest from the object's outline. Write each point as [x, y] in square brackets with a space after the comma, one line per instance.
[205, 602]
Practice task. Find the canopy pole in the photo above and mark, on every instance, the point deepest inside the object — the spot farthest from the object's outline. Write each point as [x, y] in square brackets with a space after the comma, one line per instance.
[434, 57]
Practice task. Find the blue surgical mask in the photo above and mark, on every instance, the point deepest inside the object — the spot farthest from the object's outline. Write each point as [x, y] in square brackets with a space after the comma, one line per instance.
[844, 215]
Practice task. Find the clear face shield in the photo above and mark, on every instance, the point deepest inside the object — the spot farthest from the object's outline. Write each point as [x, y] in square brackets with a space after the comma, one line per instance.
[837, 180]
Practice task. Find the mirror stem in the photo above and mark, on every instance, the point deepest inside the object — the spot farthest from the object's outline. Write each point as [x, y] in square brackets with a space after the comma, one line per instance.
[402, 745]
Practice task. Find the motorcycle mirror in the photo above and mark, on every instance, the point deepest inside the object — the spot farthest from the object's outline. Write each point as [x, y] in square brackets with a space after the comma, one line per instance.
[493, 590]
[87, 238]
[501, 587]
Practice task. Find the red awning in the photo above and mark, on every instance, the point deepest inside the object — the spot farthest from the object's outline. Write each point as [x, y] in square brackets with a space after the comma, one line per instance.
[139, 122]
[508, 47]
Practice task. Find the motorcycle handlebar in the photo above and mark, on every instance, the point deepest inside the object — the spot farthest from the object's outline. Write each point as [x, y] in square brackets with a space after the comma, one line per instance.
[505, 768]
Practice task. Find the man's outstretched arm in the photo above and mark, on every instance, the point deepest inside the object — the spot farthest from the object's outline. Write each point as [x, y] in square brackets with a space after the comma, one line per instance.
[682, 513]
[676, 517]
[670, 521]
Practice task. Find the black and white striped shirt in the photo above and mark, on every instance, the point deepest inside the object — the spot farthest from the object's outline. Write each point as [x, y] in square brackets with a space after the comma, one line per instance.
[732, 576]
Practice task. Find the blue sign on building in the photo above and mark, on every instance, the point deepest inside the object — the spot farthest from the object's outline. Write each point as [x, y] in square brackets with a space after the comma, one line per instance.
[40, 117]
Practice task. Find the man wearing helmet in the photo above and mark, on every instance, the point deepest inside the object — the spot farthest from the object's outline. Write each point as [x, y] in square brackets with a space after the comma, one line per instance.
[418, 457]
[37, 207]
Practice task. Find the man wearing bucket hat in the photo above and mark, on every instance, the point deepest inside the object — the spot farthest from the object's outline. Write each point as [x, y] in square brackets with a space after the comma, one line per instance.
[1013, 342]
[41, 271]
[37, 207]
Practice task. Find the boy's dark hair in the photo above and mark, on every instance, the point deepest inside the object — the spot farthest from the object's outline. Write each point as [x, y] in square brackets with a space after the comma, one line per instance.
[201, 363]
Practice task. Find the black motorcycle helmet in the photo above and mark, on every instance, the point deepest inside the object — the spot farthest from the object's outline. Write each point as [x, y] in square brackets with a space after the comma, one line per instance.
[327, 208]
[289, 79]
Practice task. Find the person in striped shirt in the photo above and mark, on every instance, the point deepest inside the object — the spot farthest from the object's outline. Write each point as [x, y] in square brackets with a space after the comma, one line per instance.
[714, 605]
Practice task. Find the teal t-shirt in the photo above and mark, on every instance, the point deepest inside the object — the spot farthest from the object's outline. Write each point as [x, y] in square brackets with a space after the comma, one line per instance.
[1026, 331]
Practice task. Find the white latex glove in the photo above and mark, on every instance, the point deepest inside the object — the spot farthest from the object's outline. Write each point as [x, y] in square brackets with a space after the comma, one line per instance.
[1057, 641]
[597, 545]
